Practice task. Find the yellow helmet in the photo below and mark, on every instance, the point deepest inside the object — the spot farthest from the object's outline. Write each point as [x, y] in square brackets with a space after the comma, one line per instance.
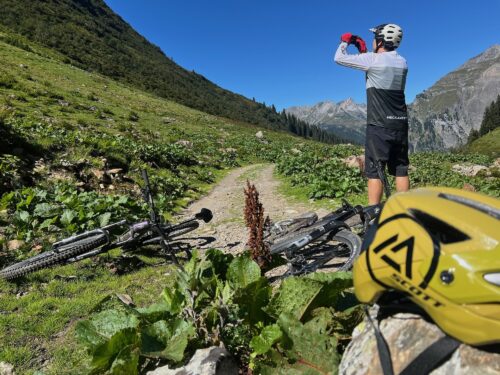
[441, 247]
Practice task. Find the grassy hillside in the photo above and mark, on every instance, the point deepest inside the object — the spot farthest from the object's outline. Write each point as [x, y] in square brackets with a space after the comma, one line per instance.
[91, 36]
[488, 144]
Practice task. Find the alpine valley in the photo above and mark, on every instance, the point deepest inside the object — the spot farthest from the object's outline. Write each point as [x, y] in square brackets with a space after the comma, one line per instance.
[441, 117]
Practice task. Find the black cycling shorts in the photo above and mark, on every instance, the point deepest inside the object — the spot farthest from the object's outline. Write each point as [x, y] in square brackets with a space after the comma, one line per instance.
[389, 146]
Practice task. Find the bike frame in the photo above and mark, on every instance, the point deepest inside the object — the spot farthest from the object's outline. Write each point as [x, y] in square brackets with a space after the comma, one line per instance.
[137, 231]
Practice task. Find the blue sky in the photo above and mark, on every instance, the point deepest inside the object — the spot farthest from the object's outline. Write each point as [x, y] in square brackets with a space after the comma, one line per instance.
[281, 52]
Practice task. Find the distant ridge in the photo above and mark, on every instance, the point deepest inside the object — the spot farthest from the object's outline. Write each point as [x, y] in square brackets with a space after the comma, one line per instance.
[346, 119]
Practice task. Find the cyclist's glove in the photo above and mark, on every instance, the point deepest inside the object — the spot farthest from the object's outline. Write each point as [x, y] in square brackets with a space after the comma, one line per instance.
[356, 40]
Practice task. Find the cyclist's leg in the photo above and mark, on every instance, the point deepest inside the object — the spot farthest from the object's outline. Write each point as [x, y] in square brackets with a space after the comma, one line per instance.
[398, 160]
[376, 148]
[374, 191]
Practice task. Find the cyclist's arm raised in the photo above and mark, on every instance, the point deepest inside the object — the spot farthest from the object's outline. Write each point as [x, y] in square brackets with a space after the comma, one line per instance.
[361, 61]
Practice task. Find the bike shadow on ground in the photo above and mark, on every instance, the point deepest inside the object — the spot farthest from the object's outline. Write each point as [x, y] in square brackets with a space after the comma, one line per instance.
[131, 262]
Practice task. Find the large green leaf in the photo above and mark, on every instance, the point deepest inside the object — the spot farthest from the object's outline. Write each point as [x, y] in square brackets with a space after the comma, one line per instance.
[154, 337]
[24, 216]
[173, 298]
[68, 216]
[126, 362]
[104, 219]
[154, 312]
[333, 293]
[314, 350]
[106, 354]
[182, 332]
[167, 339]
[253, 298]
[265, 340]
[220, 262]
[294, 297]
[242, 271]
[45, 210]
[103, 326]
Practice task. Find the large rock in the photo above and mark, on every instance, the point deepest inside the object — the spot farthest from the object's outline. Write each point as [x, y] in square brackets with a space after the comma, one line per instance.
[185, 143]
[15, 245]
[407, 336]
[355, 161]
[469, 170]
[210, 361]
[6, 369]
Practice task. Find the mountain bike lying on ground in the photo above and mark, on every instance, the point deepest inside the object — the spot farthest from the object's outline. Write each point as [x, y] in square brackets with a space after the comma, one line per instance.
[309, 245]
[147, 232]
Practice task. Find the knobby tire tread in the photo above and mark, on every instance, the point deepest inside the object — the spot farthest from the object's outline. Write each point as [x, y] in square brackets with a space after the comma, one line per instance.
[352, 241]
[51, 258]
[182, 228]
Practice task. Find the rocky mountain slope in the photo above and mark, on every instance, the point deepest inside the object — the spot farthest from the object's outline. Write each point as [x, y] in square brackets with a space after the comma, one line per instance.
[345, 119]
[442, 116]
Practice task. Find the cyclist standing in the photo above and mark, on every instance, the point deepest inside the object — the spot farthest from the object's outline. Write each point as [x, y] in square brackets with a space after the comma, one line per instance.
[387, 118]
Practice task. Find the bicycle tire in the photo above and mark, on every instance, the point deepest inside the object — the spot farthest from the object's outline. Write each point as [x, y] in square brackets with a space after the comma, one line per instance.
[344, 238]
[52, 258]
[182, 228]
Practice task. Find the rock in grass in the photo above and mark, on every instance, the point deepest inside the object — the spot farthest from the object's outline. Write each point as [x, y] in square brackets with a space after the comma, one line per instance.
[15, 245]
[6, 369]
[210, 361]
[183, 142]
[407, 336]
[469, 170]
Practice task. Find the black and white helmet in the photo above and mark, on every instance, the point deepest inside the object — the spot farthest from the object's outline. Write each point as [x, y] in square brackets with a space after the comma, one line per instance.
[390, 33]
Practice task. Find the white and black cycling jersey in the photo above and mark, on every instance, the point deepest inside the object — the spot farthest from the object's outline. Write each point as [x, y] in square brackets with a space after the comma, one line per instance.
[385, 84]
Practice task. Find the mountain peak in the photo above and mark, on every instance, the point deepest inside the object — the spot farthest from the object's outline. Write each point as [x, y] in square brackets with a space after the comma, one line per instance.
[347, 101]
[491, 53]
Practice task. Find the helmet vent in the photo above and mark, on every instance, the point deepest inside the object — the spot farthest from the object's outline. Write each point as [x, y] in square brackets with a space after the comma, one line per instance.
[438, 229]
[492, 211]
[493, 278]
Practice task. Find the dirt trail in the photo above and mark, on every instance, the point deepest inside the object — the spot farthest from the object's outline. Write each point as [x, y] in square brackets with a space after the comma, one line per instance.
[227, 231]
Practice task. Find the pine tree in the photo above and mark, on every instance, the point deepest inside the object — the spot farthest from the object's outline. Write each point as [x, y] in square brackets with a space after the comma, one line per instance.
[491, 118]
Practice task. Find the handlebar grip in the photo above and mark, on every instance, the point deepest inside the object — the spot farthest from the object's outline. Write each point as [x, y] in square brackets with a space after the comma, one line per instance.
[205, 214]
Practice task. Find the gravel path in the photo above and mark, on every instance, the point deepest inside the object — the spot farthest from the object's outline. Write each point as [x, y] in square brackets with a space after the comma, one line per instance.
[227, 231]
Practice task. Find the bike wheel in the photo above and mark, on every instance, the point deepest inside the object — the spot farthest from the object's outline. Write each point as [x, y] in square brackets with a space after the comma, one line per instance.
[177, 230]
[51, 258]
[337, 252]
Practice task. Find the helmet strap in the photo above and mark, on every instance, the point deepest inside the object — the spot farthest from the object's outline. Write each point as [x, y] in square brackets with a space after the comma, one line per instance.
[431, 358]
[380, 44]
